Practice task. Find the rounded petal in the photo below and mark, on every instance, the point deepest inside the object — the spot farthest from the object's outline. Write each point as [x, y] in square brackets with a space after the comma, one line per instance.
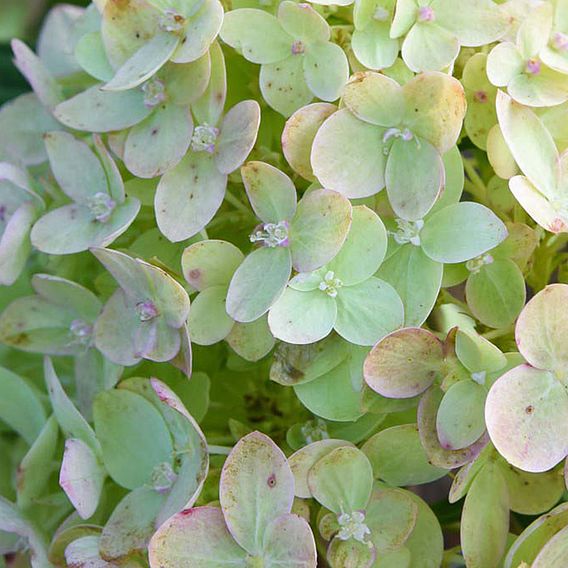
[237, 136]
[258, 283]
[251, 341]
[524, 412]
[504, 62]
[270, 191]
[404, 363]
[208, 320]
[256, 488]
[210, 263]
[319, 228]
[299, 133]
[283, 85]
[342, 480]
[347, 155]
[188, 196]
[542, 328]
[461, 232]
[374, 47]
[548, 88]
[302, 22]
[195, 538]
[288, 541]
[326, 70]
[368, 311]
[429, 47]
[302, 317]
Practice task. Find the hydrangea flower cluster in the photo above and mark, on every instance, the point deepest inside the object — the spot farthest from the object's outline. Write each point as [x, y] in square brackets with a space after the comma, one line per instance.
[285, 285]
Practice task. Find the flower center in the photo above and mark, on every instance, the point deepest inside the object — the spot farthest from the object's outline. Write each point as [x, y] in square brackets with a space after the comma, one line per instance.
[271, 234]
[315, 430]
[81, 332]
[171, 21]
[101, 205]
[297, 48]
[352, 526]
[560, 41]
[476, 264]
[381, 14]
[533, 66]
[479, 377]
[154, 93]
[163, 477]
[426, 14]
[408, 232]
[147, 310]
[330, 284]
[405, 134]
[204, 138]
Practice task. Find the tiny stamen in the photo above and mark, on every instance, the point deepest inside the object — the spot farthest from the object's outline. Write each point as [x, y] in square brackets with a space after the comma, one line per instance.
[163, 477]
[204, 138]
[81, 332]
[297, 48]
[426, 14]
[154, 93]
[476, 264]
[101, 205]
[559, 41]
[330, 284]
[408, 232]
[171, 21]
[271, 234]
[352, 526]
[147, 310]
[533, 66]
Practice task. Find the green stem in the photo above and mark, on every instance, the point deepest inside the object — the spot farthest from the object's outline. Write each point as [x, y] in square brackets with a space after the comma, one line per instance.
[219, 450]
[476, 180]
[237, 203]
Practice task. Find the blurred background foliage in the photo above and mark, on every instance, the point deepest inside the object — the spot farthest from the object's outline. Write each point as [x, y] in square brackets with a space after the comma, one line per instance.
[21, 19]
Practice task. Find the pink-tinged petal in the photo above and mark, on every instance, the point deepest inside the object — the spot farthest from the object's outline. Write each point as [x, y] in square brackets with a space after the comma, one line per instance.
[542, 329]
[237, 136]
[439, 456]
[256, 487]
[288, 541]
[195, 538]
[525, 412]
[404, 363]
[81, 477]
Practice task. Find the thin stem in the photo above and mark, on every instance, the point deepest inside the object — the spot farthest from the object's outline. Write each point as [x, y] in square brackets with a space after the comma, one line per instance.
[475, 179]
[204, 234]
[219, 450]
[237, 203]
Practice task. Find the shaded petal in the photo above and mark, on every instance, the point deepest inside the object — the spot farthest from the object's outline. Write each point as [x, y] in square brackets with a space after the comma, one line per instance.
[326, 70]
[288, 541]
[208, 320]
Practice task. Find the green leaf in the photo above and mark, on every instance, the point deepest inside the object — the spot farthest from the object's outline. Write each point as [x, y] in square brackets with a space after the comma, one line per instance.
[133, 437]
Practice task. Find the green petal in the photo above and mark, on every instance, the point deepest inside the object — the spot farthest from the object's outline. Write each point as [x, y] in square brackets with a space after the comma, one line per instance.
[91, 56]
[209, 107]
[534, 32]
[303, 23]
[485, 518]
[288, 541]
[363, 250]
[196, 538]
[342, 480]
[185, 83]
[75, 167]
[404, 17]
[398, 458]
[523, 410]
[210, 263]
[283, 85]
[168, 132]
[373, 46]
[332, 396]
[417, 280]
[200, 32]
[72, 228]
[390, 516]
[461, 232]
[251, 341]
[542, 328]
[350, 553]
[258, 35]
[270, 191]
[326, 70]
[404, 363]
[188, 196]
[256, 487]
[258, 283]
[412, 196]
[347, 155]
[429, 47]
[299, 133]
[131, 524]
[305, 458]
[554, 552]
[460, 421]
[237, 136]
[504, 63]
[496, 294]
[302, 317]
[368, 311]
[318, 229]
[95, 110]
[133, 436]
[435, 107]
[144, 63]
[374, 98]
[548, 88]
[208, 320]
